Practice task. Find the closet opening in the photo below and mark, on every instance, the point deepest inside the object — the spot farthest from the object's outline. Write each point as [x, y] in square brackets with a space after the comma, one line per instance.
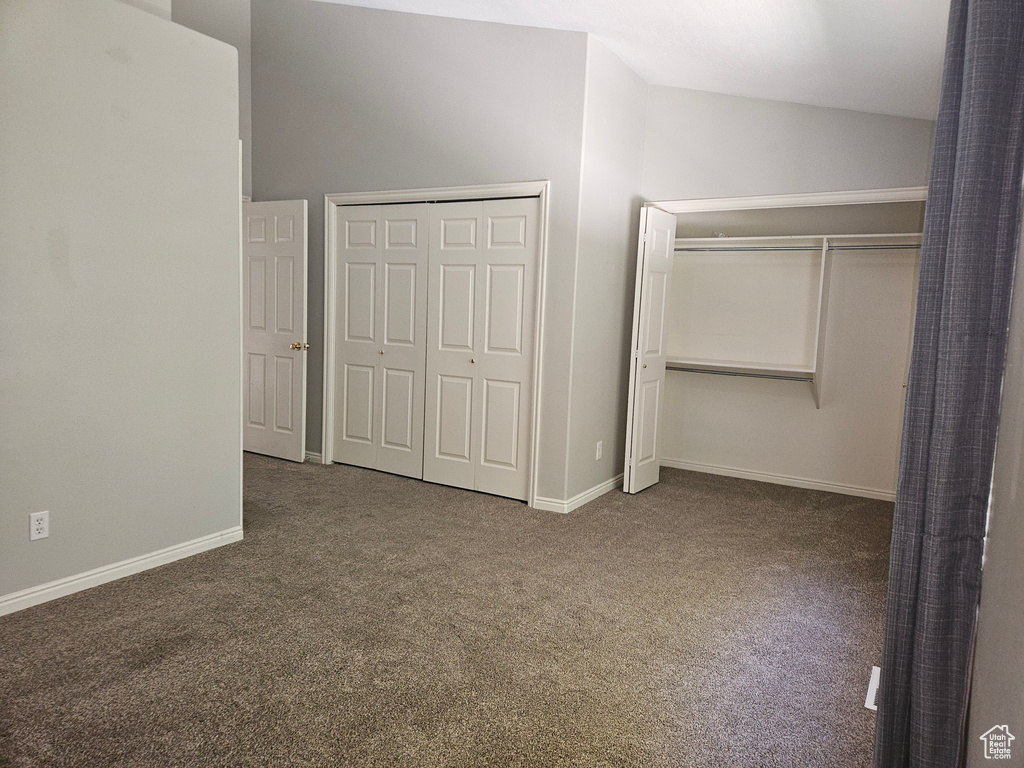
[759, 295]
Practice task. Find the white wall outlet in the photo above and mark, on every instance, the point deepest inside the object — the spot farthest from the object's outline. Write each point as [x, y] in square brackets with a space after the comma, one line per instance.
[39, 525]
[599, 450]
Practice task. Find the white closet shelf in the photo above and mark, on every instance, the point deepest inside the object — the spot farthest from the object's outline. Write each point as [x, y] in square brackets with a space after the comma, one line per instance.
[783, 240]
[777, 371]
[741, 368]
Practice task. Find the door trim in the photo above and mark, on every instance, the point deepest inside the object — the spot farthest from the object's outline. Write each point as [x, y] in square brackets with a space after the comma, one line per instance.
[852, 197]
[539, 189]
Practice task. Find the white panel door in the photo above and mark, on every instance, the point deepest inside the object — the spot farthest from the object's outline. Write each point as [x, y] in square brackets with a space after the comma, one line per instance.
[358, 345]
[381, 253]
[274, 320]
[647, 364]
[456, 256]
[507, 291]
[402, 319]
[482, 286]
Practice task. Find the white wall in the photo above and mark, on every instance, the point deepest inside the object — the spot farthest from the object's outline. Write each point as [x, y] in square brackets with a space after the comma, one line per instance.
[119, 297]
[229, 22]
[349, 99]
[997, 686]
[710, 145]
[613, 153]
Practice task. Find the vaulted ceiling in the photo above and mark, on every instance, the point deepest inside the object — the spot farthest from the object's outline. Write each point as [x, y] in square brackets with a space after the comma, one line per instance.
[870, 55]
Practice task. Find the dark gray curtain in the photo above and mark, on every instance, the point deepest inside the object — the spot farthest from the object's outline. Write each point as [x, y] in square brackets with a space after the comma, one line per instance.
[967, 259]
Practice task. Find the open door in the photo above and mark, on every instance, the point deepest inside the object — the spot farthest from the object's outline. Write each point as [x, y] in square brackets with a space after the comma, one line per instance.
[647, 362]
[274, 251]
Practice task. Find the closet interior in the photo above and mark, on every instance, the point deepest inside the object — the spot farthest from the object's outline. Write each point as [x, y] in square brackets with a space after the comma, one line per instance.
[787, 334]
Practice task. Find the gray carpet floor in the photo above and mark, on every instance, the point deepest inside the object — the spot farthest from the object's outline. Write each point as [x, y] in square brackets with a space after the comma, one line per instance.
[372, 620]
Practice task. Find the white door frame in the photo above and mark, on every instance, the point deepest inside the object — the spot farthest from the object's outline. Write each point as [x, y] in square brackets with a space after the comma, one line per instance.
[539, 189]
[852, 197]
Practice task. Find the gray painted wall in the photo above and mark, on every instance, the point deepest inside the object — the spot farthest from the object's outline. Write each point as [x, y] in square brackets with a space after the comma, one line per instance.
[349, 99]
[229, 22]
[997, 691]
[613, 157]
[119, 302]
[710, 145]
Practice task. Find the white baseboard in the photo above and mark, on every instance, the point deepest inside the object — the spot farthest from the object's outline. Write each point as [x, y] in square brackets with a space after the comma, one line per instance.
[314, 457]
[796, 482]
[26, 598]
[577, 501]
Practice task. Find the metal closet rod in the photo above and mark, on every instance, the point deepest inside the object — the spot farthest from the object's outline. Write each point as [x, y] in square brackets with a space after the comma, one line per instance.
[902, 247]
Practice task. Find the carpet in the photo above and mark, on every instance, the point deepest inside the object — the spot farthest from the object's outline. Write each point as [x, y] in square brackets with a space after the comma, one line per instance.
[374, 620]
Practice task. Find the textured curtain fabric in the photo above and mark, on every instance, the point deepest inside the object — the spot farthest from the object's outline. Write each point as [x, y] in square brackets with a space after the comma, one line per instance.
[967, 259]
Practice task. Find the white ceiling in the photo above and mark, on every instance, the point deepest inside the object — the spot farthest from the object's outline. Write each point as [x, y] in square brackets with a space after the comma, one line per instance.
[870, 55]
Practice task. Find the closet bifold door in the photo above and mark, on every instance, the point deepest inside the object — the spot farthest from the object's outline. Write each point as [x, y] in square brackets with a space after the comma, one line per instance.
[647, 363]
[380, 359]
[480, 344]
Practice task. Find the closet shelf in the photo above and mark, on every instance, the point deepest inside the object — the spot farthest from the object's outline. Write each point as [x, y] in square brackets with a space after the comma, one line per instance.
[741, 368]
[776, 371]
[901, 241]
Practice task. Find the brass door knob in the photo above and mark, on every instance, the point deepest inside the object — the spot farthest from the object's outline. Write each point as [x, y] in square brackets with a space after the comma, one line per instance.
[299, 345]
[645, 365]
[382, 351]
[472, 359]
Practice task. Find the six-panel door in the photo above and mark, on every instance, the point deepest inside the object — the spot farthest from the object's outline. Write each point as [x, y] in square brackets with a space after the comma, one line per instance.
[480, 337]
[647, 366]
[274, 321]
[382, 269]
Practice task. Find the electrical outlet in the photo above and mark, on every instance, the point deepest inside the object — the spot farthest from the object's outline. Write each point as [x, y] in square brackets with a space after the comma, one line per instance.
[599, 450]
[39, 525]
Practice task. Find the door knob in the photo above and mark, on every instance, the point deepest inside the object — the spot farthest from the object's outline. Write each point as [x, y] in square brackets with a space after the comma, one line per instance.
[645, 365]
[382, 351]
[472, 359]
[299, 345]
